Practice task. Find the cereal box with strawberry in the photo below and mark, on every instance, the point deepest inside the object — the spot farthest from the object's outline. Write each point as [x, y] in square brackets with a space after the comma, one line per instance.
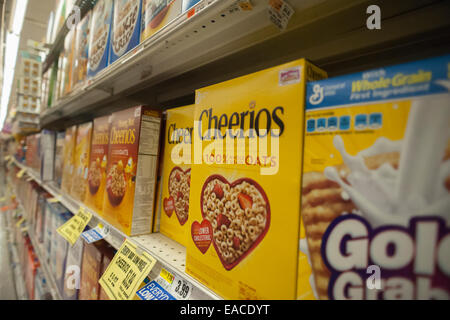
[244, 212]
[128, 201]
[176, 176]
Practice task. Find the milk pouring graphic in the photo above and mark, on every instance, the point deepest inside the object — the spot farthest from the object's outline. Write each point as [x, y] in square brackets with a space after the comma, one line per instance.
[382, 196]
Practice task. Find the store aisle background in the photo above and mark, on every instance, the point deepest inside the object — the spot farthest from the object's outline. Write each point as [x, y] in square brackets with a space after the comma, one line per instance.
[7, 287]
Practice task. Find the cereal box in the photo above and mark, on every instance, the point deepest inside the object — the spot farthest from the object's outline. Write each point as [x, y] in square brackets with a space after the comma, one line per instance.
[156, 14]
[69, 151]
[376, 183]
[187, 4]
[108, 255]
[99, 38]
[126, 27]
[244, 213]
[81, 161]
[131, 171]
[97, 164]
[90, 272]
[59, 157]
[176, 177]
[81, 51]
[73, 271]
[48, 139]
[67, 77]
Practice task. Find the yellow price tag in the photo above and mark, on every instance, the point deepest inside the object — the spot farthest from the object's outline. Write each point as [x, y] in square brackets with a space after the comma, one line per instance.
[166, 275]
[24, 229]
[72, 229]
[7, 158]
[126, 272]
[20, 222]
[54, 200]
[2, 199]
[21, 173]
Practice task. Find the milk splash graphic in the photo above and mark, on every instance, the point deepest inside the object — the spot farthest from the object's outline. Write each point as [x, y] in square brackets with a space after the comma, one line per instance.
[388, 196]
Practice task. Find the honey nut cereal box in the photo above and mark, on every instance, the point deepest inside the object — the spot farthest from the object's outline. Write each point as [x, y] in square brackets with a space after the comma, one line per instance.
[96, 180]
[376, 183]
[176, 176]
[81, 161]
[99, 37]
[244, 212]
[68, 156]
[156, 14]
[80, 60]
[128, 201]
[126, 27]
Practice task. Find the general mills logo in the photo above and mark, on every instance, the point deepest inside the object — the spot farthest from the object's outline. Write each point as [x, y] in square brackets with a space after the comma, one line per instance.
[74, 18]
[317, 96]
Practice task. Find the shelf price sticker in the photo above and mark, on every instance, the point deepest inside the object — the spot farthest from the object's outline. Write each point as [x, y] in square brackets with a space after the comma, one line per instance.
[96, 234]
[20, 222]
[72, 229]
[126, 272]
[7, 158]
[280, 12]
[2, 199]
[54, 200]
[153, 291]
[175, 284]
[21, 173]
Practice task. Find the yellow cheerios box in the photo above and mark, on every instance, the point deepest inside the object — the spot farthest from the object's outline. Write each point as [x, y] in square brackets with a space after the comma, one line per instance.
[96, 180]
[69, 159]
[245, 190]
[81, 161]
[176, 175]
[376, 183]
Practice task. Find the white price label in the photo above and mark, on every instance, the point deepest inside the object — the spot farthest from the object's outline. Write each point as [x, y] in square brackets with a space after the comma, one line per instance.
[174, 284]
[280, 12]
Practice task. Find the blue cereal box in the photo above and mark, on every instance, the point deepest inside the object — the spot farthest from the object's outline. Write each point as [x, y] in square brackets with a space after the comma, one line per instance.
[126, 30]
[100, 35]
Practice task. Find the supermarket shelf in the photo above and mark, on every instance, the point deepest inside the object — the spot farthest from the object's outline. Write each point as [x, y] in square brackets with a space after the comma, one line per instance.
[46, 268]
[43, 263]
[221, 42]
[169, 254]
[58, 44]
[18, 274]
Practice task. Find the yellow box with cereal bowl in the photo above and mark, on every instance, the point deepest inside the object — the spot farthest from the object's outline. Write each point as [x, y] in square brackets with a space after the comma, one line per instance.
[68, 159]
[376, 183]
[244, 212]
[176, 174]
[96, 181]
[129, 197]
[81, 161]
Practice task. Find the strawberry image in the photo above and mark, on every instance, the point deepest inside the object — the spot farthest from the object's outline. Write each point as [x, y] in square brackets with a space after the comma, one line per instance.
[245, 201]
[218, 191]
[177, 176]
[236, 243]
[223, 220]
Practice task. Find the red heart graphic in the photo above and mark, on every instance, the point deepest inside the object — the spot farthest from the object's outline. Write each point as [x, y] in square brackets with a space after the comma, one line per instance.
[169, 206]
[202, 235]
[175, 195]
[244, 200]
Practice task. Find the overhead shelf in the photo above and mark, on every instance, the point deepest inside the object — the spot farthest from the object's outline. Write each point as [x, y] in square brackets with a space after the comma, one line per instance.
[169, 254]
[58, 44]
[221, 42]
